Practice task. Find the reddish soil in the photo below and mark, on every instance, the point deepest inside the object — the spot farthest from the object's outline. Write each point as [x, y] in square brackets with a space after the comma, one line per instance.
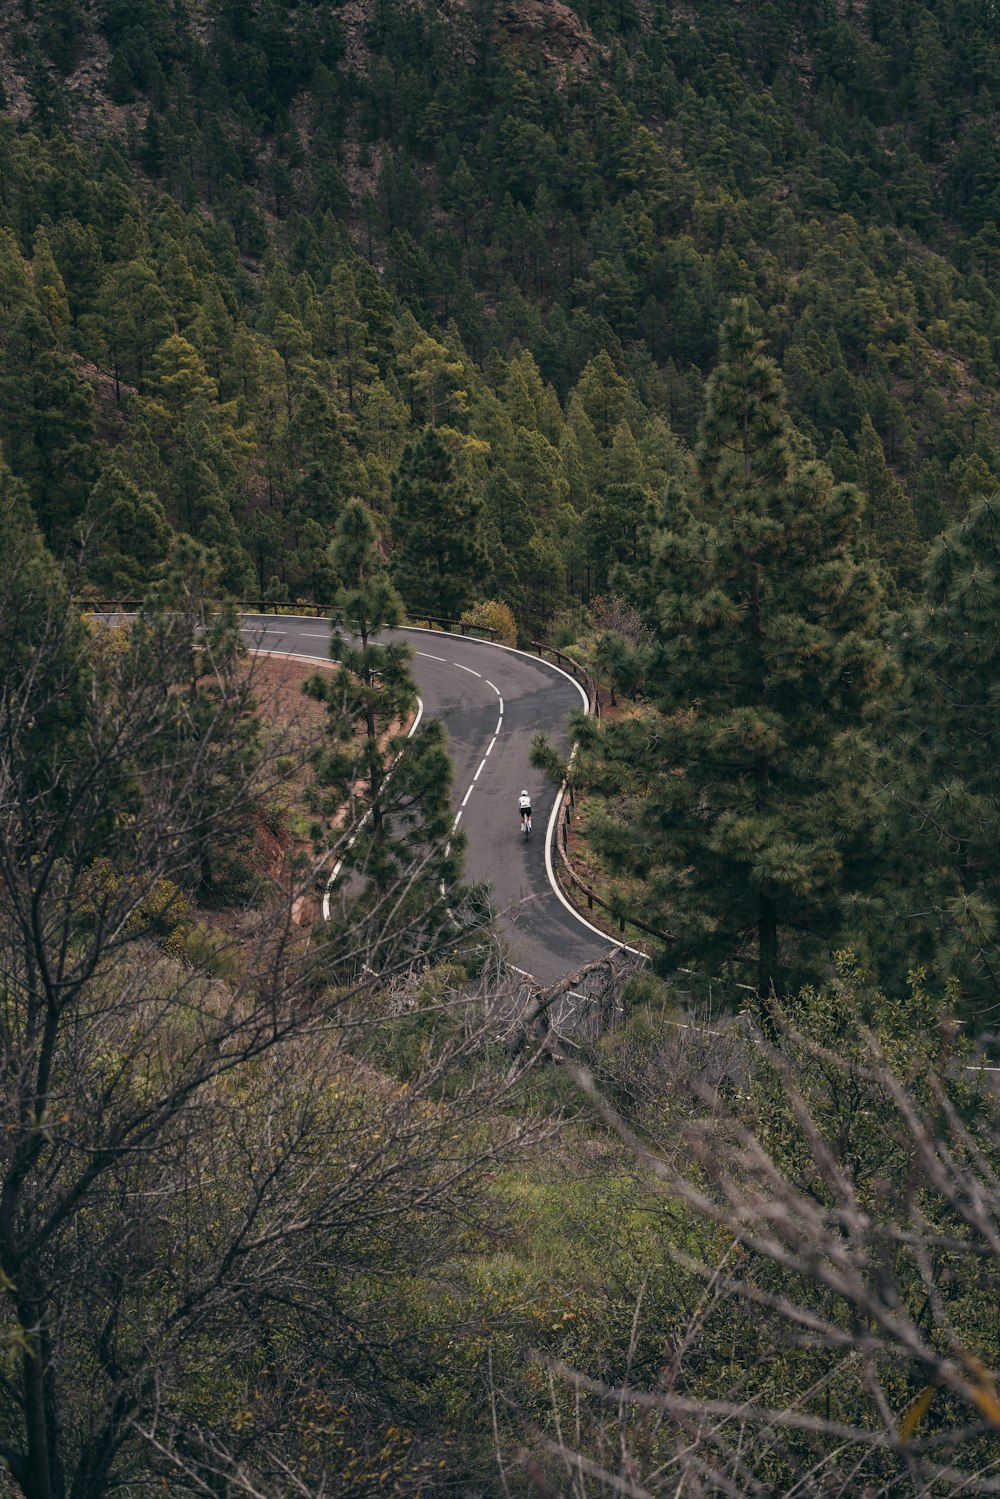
[295, 730]
[296, 719]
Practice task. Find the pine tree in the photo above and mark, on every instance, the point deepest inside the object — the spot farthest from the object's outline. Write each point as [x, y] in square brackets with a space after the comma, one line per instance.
[131, 320]
[178, 378]
[33, 603]
[180, 619]
[77, 251]
[310, 562]
[392, 791]
[261, 537]
[947, 781]
[177, 278]
[606, 397]
[15, 286]
[347, 332]
[439, 557]
[48, 284]
[889, 512]
[613, 526]
[47, 421]
[434, 376]
[199, 506]
[746, 789]
[126, 534]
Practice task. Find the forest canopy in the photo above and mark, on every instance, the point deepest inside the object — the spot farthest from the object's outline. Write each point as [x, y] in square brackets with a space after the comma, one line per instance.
[664, 334]
[247, 262]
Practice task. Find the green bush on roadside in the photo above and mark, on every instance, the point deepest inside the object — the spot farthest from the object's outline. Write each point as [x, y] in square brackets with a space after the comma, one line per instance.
[495, 615]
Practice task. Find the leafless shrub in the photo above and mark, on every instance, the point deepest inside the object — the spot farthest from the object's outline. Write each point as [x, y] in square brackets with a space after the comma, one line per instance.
[201, 1189]
[837, 1209]
[610, 614]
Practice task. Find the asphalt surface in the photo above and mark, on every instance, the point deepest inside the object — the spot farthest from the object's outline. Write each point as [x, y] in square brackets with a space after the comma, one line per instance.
[491, 701]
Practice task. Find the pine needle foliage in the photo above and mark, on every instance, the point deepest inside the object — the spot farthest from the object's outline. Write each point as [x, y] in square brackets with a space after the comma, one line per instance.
[390, 792]
[744, 799]
[946, 779]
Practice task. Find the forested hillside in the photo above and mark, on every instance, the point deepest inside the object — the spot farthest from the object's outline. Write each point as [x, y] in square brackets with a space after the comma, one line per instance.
[252, 253]
[666, 333]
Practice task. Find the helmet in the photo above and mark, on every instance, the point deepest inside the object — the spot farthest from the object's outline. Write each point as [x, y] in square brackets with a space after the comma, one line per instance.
[524, 790]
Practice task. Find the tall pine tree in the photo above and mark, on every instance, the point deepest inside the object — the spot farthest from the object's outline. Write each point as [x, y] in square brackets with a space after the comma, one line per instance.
[440, 556]
[390, 791]
[48, 419]
[744, 793]
[947, 780]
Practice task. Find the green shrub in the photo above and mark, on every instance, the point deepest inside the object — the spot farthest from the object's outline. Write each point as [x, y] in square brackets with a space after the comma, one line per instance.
[276, 816]
[163, 910]
[210, 952]
[493, 614]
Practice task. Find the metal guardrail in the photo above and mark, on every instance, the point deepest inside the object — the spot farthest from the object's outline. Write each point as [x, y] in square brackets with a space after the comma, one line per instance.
[434, 621]
[302, 608]
[582, 675]
[563, 826]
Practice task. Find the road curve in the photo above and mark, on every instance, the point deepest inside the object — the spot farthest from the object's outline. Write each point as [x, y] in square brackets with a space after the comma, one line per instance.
[491, 700]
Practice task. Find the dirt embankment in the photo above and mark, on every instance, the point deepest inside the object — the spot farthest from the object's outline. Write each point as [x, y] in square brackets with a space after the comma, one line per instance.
[295, 728]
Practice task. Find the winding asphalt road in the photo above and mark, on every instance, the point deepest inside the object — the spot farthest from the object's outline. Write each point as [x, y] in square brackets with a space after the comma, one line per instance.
[491, 700]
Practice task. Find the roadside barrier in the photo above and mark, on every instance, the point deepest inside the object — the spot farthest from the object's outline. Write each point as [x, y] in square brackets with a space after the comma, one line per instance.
[563, 825]
[298, 609]
[586, 679]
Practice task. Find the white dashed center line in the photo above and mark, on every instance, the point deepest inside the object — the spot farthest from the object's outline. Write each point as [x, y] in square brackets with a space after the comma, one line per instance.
[492, 742]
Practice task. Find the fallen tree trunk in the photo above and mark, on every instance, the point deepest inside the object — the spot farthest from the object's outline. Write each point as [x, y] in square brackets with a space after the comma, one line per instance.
[533, 1023]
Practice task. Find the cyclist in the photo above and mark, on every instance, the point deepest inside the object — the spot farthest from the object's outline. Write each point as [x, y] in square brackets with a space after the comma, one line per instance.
[524, 803]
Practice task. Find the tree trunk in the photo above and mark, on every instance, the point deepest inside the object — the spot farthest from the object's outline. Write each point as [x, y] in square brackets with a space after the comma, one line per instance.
[42, 1478]
[768, 973]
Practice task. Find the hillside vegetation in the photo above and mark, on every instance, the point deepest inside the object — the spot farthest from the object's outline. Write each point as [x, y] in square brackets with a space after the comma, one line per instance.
[254, 252]
[668, 333]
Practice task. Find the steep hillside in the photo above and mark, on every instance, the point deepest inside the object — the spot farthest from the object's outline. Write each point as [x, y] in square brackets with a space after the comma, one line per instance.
[251, 252]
